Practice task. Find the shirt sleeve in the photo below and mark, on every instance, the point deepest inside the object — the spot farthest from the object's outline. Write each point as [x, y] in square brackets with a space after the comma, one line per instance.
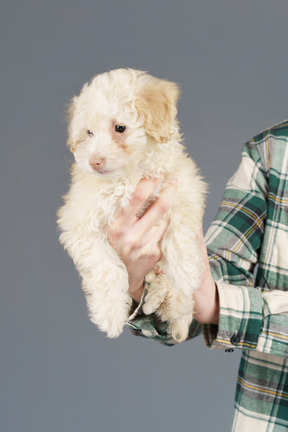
[249, 318]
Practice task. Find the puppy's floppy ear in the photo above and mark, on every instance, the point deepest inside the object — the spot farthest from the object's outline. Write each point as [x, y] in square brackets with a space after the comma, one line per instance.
[69, 116]
[156, 102]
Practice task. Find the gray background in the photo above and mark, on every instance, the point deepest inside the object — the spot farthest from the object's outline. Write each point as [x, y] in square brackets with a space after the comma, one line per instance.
[58, 372]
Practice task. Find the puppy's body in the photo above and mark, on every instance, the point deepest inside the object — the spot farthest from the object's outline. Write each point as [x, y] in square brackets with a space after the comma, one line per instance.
[123, 128]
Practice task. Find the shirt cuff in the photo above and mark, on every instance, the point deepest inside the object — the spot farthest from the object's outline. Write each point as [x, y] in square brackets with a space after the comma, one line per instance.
[240, 318]
[274, 336]
[151, 327]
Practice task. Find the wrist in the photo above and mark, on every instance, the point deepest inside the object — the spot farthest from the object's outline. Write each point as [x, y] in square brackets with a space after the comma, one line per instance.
[136, 287]
[206, 306]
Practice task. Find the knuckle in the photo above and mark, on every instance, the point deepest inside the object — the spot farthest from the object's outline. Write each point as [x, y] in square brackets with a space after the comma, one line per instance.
[163, 207]
[139, 196]
[130, 245]
[115, 233]
[153, 252]
[155, 256]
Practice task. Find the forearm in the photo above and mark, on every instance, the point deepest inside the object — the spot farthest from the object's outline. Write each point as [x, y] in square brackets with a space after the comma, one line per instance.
[206, 298]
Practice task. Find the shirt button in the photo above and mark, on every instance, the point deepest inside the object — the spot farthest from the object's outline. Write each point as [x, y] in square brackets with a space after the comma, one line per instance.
[235, 339]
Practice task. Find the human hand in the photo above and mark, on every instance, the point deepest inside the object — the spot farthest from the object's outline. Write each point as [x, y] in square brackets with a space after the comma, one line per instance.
[137, 239]
[137, 242]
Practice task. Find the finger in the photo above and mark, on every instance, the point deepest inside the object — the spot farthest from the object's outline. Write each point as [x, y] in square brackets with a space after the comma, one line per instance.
[159, 208]
[158, 231]
[151, 239]
[143, 190]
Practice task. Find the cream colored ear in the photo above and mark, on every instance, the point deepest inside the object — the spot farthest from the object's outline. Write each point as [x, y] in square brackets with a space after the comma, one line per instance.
[156, 102]
[69, 116]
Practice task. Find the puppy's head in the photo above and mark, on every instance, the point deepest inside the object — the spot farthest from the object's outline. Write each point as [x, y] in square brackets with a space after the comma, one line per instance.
[118, 119]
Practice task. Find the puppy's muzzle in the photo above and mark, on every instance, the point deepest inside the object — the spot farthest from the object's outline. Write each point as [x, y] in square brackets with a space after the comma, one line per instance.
[98, 163]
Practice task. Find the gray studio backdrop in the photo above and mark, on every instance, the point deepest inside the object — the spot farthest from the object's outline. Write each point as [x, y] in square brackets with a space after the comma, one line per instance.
[58, 372]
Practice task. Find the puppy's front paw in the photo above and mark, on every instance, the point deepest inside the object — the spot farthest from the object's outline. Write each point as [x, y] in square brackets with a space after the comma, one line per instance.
[180, 328]
[153, 300]
[156, 292]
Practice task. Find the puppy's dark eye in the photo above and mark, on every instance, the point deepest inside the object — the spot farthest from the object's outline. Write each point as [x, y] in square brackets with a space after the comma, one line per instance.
[120, 129]
[90, 133]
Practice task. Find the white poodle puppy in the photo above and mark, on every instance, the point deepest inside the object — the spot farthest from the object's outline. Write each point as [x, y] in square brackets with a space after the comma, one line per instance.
[122, 128]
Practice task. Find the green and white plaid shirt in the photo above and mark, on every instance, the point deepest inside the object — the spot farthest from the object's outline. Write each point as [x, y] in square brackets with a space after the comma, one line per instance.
[248, 251]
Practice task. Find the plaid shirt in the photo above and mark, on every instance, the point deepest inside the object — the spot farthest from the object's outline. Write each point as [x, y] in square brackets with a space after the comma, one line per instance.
[248, 251]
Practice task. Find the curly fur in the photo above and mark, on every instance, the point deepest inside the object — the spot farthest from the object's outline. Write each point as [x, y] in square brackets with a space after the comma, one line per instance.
[108, 167]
